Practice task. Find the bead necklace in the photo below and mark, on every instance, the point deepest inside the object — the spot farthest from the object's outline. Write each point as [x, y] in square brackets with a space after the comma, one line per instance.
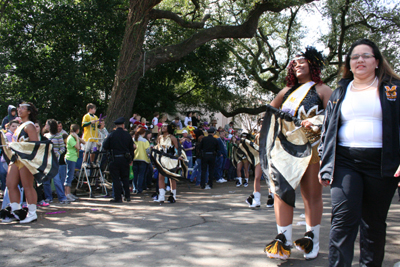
[361, 89]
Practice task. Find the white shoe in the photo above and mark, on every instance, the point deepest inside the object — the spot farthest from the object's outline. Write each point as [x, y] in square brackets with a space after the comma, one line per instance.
[9, 219]
[75, 197]
[314, 252]
[161, 196]
[239, 182]
[207, 187]
[270, 201]
[70, 198]
[255, 200]
[220, 180]
[32, 216]
[224, 180]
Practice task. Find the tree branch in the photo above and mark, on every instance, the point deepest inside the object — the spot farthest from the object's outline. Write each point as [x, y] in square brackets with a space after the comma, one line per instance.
[163, 14]
[246, 30]
[187, 92]
[196, 4]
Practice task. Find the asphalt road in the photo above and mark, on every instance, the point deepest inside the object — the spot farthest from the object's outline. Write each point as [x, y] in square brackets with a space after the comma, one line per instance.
[203, 228]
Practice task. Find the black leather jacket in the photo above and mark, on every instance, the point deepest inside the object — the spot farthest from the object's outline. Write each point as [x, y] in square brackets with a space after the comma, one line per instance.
[390, 103]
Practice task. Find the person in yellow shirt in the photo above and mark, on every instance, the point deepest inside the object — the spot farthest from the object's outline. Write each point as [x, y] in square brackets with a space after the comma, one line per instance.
[90, 123]
[141, 159]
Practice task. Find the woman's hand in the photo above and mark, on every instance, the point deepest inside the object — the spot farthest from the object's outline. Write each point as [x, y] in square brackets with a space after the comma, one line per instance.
[324, 183]
[306, 124]
[397, 173]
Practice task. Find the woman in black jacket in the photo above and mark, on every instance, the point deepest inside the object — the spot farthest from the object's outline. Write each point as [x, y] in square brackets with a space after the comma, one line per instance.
[360, 154]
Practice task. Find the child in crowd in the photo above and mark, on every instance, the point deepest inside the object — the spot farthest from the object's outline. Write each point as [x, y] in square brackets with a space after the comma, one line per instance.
[90, 124]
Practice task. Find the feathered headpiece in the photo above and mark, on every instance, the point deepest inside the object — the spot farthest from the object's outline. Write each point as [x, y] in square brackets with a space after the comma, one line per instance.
[314, 56]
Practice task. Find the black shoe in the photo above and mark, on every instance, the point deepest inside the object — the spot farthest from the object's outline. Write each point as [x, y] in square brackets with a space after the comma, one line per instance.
[270, 202]
[115, 201]
[127, 199]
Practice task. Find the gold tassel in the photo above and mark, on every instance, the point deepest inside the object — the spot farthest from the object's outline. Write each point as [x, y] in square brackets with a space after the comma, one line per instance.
[277, 249]
[305, 243]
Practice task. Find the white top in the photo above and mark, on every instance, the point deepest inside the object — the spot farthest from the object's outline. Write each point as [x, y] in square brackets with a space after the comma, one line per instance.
[361, 117]
[154, 121]
[187, 119]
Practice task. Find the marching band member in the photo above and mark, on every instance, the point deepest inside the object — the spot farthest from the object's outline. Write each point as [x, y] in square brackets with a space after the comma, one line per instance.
[304, 97]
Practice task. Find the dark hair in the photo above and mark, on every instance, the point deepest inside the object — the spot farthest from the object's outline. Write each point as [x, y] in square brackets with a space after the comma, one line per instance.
[156, 114]
[74, 128]
[59, 122]
[13, 121]
[90, 106]
[64, 136]
[53, 126]
[187, 113]
[34, 112]
[139, 131]
[291, 78]
[384, 72]
[177, 118]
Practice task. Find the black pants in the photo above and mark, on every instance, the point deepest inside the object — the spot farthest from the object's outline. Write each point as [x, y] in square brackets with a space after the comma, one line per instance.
[119, 172]
[360, 198]
[208, 160]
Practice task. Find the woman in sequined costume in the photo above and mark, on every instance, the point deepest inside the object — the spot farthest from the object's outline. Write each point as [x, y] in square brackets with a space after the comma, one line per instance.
[17, 172]
[304, 69]
[167, 144]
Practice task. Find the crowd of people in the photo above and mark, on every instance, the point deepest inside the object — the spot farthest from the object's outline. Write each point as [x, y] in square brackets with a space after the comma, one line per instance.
[348, 140]
[145, 136]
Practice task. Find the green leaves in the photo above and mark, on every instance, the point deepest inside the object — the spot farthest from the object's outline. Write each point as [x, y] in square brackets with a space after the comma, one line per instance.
[60, 54]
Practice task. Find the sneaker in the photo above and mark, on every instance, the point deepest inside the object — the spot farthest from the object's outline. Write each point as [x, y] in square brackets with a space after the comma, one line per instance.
[238, 183]
[245, 184]
[70, 198]
[75, 197]
[43, 203]
[220, 180]
[30, 218]
[48, 200]
[207, 187]
[270, 201]
[9, 219]
[65, 202]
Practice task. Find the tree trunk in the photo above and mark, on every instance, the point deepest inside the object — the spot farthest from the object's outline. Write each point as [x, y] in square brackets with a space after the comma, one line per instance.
[130, 63]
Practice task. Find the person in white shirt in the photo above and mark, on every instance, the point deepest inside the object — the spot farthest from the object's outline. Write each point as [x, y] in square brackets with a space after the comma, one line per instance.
[188, 118]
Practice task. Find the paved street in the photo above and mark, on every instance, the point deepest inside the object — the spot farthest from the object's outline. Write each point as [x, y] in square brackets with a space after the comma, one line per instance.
[204, 228]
